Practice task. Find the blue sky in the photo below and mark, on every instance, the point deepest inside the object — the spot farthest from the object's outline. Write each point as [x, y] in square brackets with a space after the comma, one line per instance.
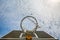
[47, 13]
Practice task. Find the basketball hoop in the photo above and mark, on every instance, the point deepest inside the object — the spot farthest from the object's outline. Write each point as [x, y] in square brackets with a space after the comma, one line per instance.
[28, 17]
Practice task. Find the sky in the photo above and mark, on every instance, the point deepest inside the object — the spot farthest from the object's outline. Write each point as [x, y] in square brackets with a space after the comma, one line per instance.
[47, 13]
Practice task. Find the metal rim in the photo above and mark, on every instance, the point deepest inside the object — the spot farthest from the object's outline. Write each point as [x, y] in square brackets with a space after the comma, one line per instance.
[35, 23]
